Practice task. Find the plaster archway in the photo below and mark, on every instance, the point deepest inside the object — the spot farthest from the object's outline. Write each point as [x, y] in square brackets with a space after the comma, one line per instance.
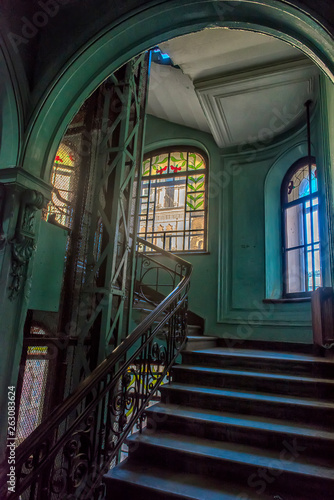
[10, 126]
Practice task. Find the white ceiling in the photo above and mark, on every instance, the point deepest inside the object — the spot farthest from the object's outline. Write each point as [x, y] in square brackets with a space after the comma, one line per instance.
[172, 96]
[231, 83]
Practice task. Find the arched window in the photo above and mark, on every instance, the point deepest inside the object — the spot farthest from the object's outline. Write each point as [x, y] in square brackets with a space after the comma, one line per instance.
[172, 212]
[301, 237]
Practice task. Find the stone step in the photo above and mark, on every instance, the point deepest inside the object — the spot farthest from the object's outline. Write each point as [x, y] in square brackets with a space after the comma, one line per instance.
[249, 466]
[235, 424]
[268, 361]
[303, 410]
[318, 388]
[236, 428]
[140, 481]
[195, 330]
[195, 342]
[263, 345]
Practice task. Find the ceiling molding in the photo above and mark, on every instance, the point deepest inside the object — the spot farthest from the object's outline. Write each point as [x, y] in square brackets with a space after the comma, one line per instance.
[269, 72]
[232, 102]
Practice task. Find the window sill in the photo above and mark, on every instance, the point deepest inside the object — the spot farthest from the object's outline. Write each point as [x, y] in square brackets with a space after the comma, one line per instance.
[294, 300]
[183, 253]
[190, 253]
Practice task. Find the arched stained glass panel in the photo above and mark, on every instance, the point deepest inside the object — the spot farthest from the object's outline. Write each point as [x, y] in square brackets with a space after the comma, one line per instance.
[172, 212]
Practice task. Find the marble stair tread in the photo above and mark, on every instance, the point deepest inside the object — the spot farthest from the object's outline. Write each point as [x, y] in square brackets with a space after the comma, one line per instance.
[238, 394]
[262, 375]
[262, 354]
[178, 484]
[250, 421]
[238, 454]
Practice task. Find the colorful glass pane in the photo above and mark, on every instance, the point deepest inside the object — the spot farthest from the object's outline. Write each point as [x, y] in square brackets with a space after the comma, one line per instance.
[299, 184]
[178, 162]
[196, 183]
[159, 164]
[172, 163]
[146, 167]
[63, 181]
[195, 201]
[172, 200]
[35, 350]
[65, 156]
[195, 192]
[196, 162]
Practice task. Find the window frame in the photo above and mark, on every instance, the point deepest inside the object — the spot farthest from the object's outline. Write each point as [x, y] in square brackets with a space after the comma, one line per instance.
[285, 204]
[186, 149]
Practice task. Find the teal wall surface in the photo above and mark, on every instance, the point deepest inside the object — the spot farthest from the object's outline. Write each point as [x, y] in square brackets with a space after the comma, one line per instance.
[243, 264]
[48, 73]
[326, 146]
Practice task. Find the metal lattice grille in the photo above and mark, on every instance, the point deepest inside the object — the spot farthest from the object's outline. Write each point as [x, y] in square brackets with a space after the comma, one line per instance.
[33, 389]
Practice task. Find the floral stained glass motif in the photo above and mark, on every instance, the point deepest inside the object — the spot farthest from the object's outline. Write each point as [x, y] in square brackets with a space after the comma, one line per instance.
[173, 202]
[172, 163]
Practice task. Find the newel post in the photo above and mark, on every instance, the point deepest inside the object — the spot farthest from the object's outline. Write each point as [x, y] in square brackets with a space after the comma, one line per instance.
[323, 317]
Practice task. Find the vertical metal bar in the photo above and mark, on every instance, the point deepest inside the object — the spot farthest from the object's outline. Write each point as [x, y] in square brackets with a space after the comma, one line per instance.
[308, 105]
[154, 207]
[305, 248]
[312, 241]
[186, 212]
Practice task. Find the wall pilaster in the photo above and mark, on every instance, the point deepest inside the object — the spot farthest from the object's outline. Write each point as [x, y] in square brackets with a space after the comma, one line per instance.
[21, 199]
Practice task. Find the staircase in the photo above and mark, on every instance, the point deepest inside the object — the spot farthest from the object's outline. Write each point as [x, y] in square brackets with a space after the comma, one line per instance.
[255, 422]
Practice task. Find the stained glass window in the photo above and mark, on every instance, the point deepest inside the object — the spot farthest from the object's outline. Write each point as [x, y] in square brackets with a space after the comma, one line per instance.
[301, 238]
[63, 180]
[172, 212]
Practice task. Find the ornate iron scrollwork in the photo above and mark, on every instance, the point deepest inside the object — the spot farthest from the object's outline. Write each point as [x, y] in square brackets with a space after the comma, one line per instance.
[23, 244]
[66, 457]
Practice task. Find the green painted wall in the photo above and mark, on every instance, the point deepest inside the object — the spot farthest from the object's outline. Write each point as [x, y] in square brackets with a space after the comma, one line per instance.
[47, 78]
[230, 282]
[326, 143]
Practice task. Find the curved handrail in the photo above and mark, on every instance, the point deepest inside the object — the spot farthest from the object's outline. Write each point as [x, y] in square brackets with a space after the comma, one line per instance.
[41, 435]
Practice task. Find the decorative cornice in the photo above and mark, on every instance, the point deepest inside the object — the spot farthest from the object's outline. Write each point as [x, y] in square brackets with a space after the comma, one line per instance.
[25, 180]
[227, 99]
[289, 70]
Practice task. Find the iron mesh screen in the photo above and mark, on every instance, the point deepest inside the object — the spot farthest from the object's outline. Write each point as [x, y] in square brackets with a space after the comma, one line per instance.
[60, 208]
[32, 394]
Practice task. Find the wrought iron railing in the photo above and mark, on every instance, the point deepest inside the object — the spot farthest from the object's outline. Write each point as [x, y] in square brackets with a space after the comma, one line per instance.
[155, 276]
[68, 454]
